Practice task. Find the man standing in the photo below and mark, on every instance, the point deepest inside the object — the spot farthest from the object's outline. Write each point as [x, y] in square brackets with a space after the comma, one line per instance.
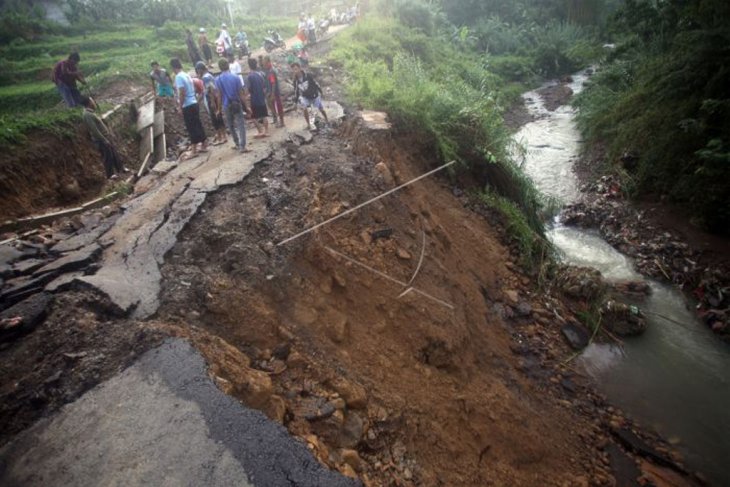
[225, 39]
[211, 104]
[205, 47]
[65, 74]
[230, 96]
[311, 30]
[190, 109]
[256, 86]
[100, 135]
[192, 47]
[307, 92]
[160, 77]
[277, 107]
[235, 67]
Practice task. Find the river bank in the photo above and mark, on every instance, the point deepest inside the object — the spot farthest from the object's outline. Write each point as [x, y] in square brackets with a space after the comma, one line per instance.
[675, 361]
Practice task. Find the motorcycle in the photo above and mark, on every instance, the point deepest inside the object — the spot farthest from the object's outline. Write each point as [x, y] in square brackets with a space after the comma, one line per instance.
[274, 41]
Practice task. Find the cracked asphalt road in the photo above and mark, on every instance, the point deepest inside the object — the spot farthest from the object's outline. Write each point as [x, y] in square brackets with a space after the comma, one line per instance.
[141, 237]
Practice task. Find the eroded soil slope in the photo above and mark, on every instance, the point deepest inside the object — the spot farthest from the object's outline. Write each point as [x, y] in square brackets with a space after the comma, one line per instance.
[422, 391]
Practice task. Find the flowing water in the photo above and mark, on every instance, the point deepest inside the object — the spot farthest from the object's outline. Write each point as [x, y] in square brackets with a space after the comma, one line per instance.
[674, 377]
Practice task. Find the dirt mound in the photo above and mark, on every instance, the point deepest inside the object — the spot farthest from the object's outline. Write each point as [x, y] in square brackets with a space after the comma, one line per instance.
[400, 389]
[52, 171]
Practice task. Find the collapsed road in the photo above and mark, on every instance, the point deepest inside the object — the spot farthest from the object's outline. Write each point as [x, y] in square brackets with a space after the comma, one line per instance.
[160, 422]
[139, 239]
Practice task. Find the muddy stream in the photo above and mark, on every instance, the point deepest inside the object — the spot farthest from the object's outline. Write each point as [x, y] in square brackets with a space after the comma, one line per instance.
[673, 377]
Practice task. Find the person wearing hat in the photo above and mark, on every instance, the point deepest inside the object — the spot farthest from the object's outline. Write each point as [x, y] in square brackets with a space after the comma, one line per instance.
[224, 38]
[205, 47]
[163, 81]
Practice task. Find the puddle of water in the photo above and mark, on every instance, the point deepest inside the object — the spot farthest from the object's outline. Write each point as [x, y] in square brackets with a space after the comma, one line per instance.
[673, 378]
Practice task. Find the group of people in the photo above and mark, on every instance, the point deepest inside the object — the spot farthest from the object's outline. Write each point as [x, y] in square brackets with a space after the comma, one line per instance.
[307, 29]
[224, 45]
[227, 98]
[230, 96]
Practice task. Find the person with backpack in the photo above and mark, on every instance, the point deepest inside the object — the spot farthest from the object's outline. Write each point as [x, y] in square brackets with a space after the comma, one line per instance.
[65, 75]
[101, 136]
[307, 92]
[256, 87]
[190, 109]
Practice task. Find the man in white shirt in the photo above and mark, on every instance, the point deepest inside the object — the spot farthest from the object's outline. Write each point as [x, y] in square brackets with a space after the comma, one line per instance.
[311, 30]
[225, 38]
[235, 68]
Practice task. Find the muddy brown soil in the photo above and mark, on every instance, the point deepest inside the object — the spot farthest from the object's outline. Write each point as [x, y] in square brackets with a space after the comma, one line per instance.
[80, 344]
[396, 390]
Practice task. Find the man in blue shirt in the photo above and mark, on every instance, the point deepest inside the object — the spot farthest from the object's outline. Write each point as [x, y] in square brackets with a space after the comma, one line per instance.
[190, 110]
[230, 93]
[256, 86]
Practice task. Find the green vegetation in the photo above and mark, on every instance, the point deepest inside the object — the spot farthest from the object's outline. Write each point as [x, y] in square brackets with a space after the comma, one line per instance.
[534, 249]
[663, 97]
[436, 82]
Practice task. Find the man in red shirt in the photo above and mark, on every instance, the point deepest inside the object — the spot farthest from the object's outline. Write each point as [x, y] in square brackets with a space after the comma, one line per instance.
[65, 75]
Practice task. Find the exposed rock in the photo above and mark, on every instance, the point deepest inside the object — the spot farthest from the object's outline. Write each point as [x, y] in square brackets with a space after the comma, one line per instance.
[576, 335]
[277, 408]
[512, 295]
[282, 351]
[352, 430]
[634, 289]
[622, 319]
[336, 324]
[403, 254]
[582, 283]
[352, 458]
[355, 395]
[313, 408]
